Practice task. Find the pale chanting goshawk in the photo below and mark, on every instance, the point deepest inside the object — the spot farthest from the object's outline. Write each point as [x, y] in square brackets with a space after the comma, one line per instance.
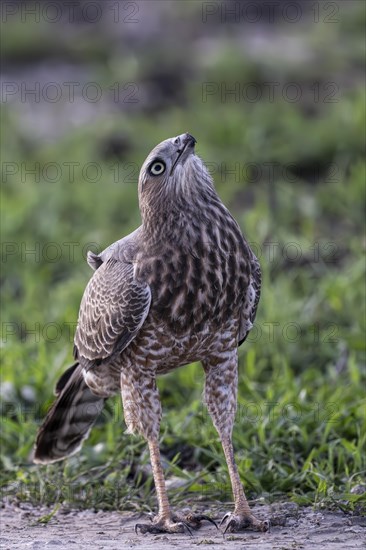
[183, 287]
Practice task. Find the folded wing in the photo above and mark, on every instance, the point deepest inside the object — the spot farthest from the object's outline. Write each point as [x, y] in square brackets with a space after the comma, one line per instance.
[112, 311]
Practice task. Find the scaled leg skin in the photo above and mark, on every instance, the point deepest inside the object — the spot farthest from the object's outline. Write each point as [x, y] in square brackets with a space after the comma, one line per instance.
[142, 411]
[221, 400]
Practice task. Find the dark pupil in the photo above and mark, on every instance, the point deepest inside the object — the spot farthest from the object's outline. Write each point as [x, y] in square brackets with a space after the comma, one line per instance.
[158, 167]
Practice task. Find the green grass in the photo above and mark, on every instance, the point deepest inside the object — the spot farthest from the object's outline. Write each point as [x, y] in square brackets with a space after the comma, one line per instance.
[300, 429]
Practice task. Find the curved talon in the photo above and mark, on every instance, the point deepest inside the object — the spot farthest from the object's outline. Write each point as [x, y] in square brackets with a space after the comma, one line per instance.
[207, 518]
[224, 518]
[200, 517]
[230, 524]
[188, 528]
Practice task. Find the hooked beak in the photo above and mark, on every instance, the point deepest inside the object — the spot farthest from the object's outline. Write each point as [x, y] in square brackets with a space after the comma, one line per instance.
[185, 142]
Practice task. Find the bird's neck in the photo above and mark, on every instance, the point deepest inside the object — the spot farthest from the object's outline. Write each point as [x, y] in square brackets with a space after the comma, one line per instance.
[178, 221]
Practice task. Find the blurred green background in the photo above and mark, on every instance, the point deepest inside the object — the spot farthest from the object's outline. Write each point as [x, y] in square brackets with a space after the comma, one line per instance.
[275, 96]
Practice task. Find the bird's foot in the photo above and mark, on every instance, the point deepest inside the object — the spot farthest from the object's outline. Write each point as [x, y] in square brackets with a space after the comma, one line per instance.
[161, 525]
[233, 522]
[175, 524]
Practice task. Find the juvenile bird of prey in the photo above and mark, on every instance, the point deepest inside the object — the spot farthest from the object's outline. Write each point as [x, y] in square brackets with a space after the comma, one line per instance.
[183, 287]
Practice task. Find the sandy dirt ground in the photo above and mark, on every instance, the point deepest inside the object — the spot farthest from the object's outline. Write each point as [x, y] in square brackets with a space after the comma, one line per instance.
[293, 528]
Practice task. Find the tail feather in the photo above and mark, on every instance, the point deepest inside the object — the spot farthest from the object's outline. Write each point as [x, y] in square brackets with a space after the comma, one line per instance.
[64, 378]
[69, 420]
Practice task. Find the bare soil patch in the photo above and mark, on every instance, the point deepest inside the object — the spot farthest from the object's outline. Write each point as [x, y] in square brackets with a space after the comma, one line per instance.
[293, 528]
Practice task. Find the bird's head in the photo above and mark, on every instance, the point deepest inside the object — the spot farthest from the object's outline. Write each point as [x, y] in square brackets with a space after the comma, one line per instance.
[172, 174]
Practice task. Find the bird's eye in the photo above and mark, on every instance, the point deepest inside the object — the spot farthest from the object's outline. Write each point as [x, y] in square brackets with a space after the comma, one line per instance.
[157, 168]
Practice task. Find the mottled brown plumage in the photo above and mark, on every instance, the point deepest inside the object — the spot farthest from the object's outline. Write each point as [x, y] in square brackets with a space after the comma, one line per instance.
[183, 287]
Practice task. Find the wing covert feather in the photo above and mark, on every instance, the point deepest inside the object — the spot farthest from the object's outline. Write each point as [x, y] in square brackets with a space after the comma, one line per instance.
[113, 308]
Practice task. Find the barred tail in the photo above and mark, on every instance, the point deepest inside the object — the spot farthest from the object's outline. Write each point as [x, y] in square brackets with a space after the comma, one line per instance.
[69, 420]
